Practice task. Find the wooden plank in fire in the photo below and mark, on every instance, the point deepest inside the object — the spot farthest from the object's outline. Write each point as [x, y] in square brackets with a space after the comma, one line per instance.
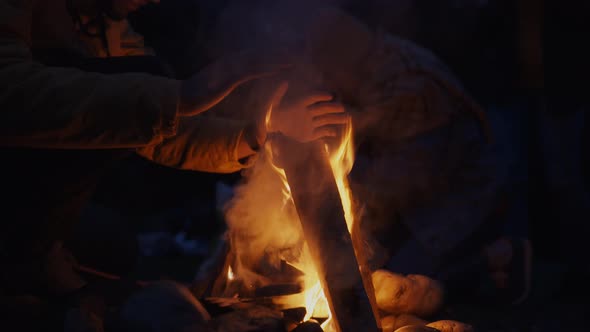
[317, 200]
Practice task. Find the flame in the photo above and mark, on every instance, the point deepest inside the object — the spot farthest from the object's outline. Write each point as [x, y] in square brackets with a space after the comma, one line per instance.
[313, 296]
[341, 162]
[314, 299]
[230, 274]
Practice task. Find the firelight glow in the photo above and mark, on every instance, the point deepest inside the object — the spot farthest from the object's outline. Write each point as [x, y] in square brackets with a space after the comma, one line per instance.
[265, 226]
[341, 162]
[230, 274]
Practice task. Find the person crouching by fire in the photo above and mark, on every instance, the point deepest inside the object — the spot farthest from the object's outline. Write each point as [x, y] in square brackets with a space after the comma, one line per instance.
[426, 174]
[426, 178]
[60, 122]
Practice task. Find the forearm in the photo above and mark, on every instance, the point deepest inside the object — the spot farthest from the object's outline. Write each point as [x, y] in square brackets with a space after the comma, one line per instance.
[48, 107]
[207, 144]
[66, 108]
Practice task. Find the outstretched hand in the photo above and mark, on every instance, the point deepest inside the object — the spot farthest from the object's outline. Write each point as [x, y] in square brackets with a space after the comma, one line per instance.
[309, 117]
[215, 82]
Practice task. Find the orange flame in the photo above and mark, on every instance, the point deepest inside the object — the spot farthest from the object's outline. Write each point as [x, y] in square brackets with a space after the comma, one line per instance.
[313, 296]
[230, 274]
[341, 161]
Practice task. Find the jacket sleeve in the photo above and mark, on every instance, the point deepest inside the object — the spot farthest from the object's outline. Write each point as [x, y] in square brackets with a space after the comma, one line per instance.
[203, 143]
[63, 108]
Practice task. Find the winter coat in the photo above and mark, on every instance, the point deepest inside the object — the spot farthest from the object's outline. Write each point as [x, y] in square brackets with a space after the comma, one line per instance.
[47, 107]
[425, 156]
[67, 109]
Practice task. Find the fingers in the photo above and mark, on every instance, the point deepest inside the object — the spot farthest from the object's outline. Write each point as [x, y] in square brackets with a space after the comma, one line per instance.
[329, 125]
[316, 97]
[324, 132]
[322, 108]
[328, 119]
[331, 119]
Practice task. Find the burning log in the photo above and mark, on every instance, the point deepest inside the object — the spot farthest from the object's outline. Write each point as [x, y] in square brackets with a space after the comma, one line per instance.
[308, 327]
[294, 315]
[277, 290]
[317, 199]
[255, 318]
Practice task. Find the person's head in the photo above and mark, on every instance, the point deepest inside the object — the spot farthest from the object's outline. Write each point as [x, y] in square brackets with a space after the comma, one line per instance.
[120, 9]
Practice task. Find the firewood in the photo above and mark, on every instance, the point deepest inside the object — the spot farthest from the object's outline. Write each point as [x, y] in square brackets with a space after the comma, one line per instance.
[308, 326]
[295, 314]
[278, 290]
[320, 211]
[283, 273]
[255, 318]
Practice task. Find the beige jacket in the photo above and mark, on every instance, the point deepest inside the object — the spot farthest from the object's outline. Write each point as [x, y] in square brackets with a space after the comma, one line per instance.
[65, 108]
[429, 163]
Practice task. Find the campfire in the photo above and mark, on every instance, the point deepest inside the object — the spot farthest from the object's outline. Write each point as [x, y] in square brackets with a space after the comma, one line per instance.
[292, 243]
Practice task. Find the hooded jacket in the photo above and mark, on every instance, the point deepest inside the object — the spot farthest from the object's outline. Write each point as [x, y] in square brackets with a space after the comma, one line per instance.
[49, 111]
[50, 107]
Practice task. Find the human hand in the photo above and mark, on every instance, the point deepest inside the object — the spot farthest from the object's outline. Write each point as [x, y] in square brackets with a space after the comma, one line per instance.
[309, 117]
[211, 85]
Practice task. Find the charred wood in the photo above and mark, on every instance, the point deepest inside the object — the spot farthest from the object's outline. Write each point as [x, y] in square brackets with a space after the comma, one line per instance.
[295, 315]
[320, 210]
[278, 290]
[308, 326]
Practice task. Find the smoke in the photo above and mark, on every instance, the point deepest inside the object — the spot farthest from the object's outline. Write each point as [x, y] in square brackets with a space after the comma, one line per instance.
[264, 226]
